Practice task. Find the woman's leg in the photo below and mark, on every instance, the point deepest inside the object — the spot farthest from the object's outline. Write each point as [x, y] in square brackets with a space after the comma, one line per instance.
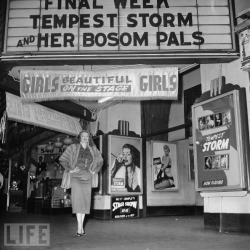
[163, 184]
[82, 222]
[79, 223]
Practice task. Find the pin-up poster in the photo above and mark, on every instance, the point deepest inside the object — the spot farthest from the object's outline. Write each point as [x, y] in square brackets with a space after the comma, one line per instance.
[218, 143]
[125, 165]
[164, 166]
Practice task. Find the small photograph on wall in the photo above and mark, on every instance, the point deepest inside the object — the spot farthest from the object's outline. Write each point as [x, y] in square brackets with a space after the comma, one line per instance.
[164, 166]
[125, 165]
[226, 117]
[218, 119]
[210, 121]
[202, 123]
[220, 161]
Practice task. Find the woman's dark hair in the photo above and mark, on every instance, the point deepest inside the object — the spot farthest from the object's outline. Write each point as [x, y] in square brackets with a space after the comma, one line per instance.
[91, 142]
[135, 154]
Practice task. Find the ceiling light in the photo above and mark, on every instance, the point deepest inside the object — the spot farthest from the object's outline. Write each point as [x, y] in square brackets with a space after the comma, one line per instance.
[50, 147]
[58, 144]
[67, 140]
[104, 99]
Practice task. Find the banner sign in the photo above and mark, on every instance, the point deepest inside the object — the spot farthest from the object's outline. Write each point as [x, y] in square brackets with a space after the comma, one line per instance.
[42, 150]
[41, 116]
[124, 207]
[118, 25]
[218, 143]
[140, 84]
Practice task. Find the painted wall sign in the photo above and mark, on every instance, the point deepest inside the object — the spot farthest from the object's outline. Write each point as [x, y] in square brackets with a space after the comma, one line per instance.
[40, 116]
[218, 143]
[118, 25]
[147, 83]
[124, 207]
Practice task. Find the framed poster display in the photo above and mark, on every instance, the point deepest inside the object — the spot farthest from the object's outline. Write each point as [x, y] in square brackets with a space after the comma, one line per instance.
[218, 143]
[124, 207]
[191, 171]
[125, 164]
[164, 166]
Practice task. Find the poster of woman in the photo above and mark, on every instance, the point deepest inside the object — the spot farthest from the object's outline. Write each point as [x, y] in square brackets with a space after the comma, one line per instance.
[164, 166]
[125, 170]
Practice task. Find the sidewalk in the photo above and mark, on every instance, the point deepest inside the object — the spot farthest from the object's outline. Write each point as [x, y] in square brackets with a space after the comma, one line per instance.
[171, 232]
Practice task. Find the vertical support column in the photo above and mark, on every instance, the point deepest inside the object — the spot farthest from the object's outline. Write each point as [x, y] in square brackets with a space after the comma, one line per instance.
[144, 177]
[8, 187]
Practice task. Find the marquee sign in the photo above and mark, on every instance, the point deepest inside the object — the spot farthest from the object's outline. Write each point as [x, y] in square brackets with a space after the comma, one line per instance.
[43, 150]
[147, 83]
[119, 25]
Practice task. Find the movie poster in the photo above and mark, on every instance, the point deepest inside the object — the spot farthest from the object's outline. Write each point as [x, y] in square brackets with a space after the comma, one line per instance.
[125, 165]
[218, 143]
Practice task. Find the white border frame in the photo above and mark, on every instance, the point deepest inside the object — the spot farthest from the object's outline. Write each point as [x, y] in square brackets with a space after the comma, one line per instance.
[121, 141]
[174, 168]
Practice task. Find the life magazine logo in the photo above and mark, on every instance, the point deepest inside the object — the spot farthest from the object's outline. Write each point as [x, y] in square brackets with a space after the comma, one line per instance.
[26, 234]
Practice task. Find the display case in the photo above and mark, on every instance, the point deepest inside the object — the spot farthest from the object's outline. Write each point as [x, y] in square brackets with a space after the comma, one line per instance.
[56, 199]
[220, 146]
[49, 197]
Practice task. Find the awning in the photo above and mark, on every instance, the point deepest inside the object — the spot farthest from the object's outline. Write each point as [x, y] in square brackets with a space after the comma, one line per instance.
[41, 116]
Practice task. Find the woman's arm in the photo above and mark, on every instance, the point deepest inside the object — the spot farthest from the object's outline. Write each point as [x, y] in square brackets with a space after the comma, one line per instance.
[65, 159]
[97, 161]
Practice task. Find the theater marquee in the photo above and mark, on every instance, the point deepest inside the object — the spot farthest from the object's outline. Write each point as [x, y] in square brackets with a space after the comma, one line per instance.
[118, 25]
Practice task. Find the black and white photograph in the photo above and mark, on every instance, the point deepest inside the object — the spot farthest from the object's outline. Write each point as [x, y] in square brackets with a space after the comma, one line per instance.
[125, 124]
[164, 166]
[125, 165]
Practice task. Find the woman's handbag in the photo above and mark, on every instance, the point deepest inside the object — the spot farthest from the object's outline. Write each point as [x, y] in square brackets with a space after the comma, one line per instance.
[66, 180]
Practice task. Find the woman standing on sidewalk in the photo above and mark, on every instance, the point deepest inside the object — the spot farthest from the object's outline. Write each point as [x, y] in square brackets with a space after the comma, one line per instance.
[82, 160]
